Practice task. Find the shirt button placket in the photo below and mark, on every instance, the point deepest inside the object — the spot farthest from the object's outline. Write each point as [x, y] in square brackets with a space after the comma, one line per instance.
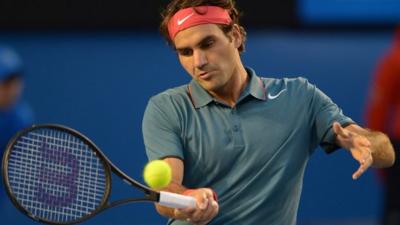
[236, 128]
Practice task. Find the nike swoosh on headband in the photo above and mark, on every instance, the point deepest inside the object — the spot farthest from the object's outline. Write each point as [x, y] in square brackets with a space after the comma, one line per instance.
[181, 21]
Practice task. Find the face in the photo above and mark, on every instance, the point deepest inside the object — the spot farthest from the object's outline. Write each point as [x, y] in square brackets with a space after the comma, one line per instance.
[10, 91]
[208, 55]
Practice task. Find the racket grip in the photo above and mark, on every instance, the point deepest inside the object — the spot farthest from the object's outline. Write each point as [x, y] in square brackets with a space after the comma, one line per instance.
[173, 200]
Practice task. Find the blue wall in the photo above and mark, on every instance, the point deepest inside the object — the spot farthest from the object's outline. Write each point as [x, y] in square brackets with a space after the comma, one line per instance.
[366, 12]
[99, 83]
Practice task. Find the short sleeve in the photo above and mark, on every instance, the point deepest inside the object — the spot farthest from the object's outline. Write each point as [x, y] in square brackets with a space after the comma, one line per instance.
[160, 127]
[324, 113]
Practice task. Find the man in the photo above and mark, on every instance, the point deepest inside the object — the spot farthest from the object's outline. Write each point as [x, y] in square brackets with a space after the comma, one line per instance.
[383, 113]
[14, 114]
[232, 134]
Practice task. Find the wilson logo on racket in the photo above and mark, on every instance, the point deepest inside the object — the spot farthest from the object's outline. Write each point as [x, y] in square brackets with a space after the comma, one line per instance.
[51, 176]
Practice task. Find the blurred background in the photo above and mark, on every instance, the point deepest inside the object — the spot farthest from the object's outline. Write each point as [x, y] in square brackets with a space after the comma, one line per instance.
[93, 65]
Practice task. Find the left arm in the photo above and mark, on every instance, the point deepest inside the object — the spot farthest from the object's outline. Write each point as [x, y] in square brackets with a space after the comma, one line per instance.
[369, 148]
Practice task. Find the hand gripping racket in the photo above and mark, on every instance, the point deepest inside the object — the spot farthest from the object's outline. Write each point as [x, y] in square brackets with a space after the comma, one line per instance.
[56, 175]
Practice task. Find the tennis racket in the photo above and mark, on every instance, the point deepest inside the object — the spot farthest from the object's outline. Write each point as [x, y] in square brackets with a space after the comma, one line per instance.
[56, 175]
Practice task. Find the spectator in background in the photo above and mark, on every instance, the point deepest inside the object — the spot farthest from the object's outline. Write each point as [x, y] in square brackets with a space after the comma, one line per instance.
[383, 114]
[14, 113]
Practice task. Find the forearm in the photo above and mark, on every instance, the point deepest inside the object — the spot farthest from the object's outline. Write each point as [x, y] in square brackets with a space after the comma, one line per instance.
[381, 148]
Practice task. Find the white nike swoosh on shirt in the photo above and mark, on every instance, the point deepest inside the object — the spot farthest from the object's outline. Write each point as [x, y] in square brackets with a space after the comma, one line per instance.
[181, 21]
[277, 95]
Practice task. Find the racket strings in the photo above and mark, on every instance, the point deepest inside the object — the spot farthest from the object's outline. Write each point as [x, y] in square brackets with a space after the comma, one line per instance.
[55, 175]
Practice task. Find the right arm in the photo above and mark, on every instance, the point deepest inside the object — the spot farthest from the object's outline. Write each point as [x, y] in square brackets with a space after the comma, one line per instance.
[161, 135]
[206, 209]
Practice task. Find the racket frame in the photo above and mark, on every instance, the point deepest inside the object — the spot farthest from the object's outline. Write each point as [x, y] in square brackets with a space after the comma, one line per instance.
[149, 194]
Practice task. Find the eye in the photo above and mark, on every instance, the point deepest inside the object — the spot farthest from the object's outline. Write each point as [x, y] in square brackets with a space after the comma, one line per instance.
[207, 44]
[185, 52]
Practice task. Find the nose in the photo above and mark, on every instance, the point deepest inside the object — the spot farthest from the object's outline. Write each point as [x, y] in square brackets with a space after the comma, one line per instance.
[200, 59]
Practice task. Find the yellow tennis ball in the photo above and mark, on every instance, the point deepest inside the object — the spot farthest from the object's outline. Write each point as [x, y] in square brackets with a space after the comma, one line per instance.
[157, 174]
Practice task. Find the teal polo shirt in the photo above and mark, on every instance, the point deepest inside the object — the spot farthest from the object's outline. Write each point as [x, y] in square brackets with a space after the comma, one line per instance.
[253, 155]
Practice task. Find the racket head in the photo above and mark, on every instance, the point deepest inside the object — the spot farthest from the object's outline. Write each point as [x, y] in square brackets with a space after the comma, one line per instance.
[55, 175]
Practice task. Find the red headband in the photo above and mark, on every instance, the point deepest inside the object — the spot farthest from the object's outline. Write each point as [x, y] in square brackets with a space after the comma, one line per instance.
[193, 16]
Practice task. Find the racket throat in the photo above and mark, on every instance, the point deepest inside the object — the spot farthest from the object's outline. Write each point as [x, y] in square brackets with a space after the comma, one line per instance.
[152, 196]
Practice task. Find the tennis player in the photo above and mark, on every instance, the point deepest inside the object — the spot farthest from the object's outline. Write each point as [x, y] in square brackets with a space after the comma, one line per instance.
[235, 134]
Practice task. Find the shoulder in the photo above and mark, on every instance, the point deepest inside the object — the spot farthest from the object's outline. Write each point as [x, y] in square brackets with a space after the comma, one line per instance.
[286, 81]
[295, 85]
[173, 95]
[173, 103]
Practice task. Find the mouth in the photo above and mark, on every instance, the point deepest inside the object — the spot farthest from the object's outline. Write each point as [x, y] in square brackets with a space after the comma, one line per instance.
[205, 75]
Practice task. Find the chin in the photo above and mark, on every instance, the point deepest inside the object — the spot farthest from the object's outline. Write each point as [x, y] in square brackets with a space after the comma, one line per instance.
[211, 87]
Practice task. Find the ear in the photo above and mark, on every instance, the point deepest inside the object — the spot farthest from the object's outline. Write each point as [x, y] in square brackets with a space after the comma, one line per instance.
[237, 36]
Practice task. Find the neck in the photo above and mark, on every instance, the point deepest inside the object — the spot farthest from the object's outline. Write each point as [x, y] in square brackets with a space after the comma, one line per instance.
[230, 93]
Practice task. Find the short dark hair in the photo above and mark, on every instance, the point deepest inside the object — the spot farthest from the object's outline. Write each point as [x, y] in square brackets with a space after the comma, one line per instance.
[176, 5]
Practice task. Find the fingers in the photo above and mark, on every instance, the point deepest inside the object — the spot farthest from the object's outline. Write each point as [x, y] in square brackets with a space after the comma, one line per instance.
[365, 161]
[211, 210]
[359, 146]
[201, 214]
[210, 213]
[183, 214]
[207, 208]
[206, 205]
[339, 130]
[367, 144]
[360, 171]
